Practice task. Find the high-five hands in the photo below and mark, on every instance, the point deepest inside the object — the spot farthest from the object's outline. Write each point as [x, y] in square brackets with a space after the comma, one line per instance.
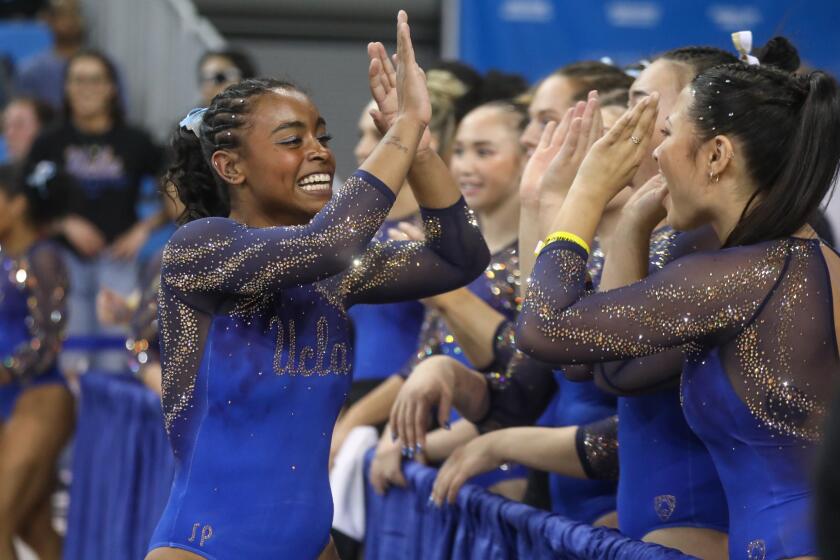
[398, 84]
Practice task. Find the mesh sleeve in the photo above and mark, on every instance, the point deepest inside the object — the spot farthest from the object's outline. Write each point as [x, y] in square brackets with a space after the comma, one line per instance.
[451, 256]
[701, 298]
[597, 448]
[46, 281]
[210, 259]
[519, 395]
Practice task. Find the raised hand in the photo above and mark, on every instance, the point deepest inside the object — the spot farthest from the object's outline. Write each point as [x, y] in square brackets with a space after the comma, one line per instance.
[382, 77]
[644, 209]
[578, 136]
[613, 160]
[412, 95]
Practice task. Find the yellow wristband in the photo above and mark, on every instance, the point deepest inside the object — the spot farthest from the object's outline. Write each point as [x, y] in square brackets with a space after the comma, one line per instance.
[562, 236]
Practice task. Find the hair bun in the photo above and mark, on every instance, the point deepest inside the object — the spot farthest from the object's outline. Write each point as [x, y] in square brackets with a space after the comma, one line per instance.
[780, 53]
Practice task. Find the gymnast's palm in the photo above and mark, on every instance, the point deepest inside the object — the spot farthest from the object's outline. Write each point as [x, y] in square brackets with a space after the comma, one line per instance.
[412, 94]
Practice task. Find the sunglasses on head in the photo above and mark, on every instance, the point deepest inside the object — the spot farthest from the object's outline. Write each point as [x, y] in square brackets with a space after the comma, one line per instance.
[219, 78]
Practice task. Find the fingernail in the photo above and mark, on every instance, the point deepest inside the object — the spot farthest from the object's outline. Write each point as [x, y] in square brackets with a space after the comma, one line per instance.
[430, 501]
[404, 451]
[447, 425]
[419, 447]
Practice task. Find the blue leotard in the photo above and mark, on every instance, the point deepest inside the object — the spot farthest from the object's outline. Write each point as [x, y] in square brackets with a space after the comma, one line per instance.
[255, 347]
[757, 325]
[32, 314]
[685, 491]
[384, 335]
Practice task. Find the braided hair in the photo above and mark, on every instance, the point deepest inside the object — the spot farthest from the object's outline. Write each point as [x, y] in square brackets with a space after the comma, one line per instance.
[199, 187]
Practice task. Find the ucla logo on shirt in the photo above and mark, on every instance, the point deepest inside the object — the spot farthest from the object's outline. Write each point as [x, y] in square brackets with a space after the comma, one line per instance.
[664, 506]
[756, 550]
[322, 359]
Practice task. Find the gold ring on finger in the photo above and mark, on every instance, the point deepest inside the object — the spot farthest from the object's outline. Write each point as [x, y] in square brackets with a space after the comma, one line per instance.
[636, 140]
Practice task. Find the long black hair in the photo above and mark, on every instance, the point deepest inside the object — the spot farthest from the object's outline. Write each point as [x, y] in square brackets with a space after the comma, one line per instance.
[116, 110]
[199, 187]
[788, 128]
[46, 188]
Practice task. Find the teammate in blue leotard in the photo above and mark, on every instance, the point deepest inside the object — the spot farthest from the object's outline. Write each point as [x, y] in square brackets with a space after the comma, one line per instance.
[756, 319]
[36, 408]
[254, 334]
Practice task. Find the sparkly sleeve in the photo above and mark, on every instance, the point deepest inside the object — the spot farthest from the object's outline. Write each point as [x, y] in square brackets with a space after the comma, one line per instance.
[210, 259]
[46, 280]
[703, 298]
[144, 323]
[452, 255]
[651, 373]
[428, 341]
[597, 448]
[519, 394]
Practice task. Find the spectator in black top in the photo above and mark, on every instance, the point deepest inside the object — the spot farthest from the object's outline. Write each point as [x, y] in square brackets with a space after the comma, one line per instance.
[109, 160]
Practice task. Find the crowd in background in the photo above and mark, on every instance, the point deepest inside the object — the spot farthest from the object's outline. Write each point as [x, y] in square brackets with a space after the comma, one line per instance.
[91, 183]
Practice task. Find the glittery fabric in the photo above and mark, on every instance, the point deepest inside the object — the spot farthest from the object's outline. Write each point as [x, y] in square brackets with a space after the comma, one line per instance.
[650, 422]
[597, 445]
[498, 286]
[256, 353]
[754, 389]
[373, 360]
[33, 290]
[143, 342]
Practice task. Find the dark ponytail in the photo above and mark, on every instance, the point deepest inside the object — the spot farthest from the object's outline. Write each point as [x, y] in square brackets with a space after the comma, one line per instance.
[788, 128]
[199, 188]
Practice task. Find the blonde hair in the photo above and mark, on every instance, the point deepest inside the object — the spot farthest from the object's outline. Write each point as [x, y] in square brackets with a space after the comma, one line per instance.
[444, 91]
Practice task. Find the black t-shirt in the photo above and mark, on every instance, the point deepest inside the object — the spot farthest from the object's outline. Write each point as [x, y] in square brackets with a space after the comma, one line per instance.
[108, 168]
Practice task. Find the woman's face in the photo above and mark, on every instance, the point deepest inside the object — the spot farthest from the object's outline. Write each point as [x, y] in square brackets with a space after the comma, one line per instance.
[551, 100]
[20, 127]
[487, 158]
[284, 159]
[369, 135]
[216, 74]
[667, 78]
[89, 89]
[691, 193]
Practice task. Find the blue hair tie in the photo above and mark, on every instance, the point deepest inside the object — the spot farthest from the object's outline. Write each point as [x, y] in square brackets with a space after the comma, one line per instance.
[44, 172]
[194, 120]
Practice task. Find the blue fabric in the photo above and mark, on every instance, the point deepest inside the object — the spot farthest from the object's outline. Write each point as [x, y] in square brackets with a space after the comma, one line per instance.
[122, 470]
[686, 491]
[14, 331]
[384, 335]
[770, 506]
[403, 525]
[256, 353]
[577, 404]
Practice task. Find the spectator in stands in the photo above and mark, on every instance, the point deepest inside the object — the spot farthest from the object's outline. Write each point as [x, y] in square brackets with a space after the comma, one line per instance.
[36, 408]
[109, 159]
[42, 76]
[222, 68]
[23, 119]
